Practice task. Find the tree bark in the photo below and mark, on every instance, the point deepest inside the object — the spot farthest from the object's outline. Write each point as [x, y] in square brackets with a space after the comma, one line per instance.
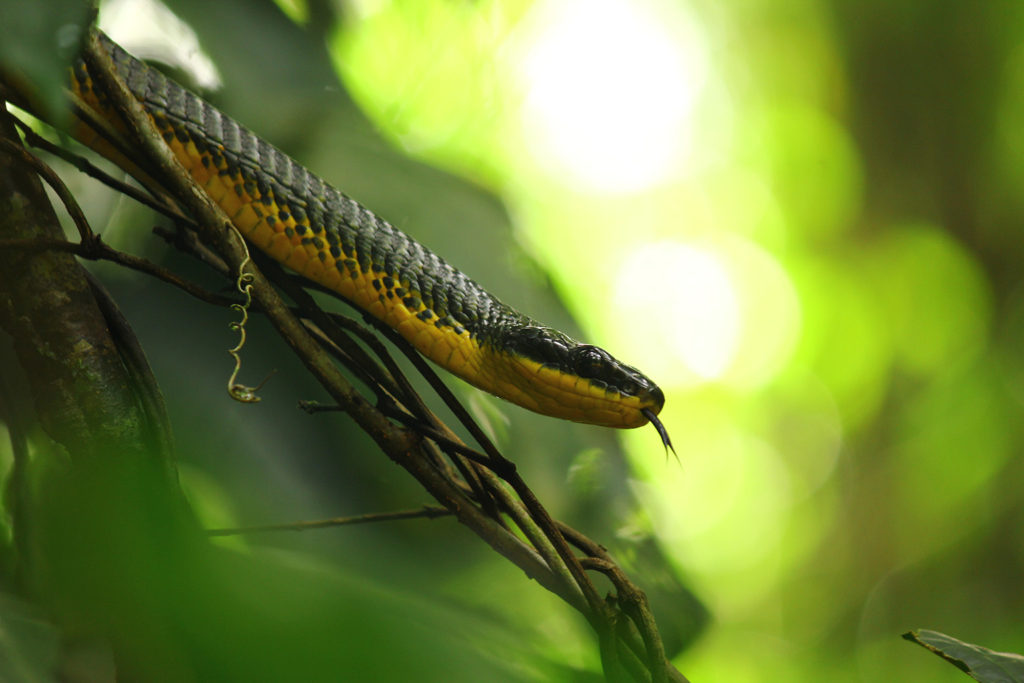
[100, 509]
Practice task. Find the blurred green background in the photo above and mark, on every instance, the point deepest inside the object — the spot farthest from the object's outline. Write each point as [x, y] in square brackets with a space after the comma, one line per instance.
[803, 219]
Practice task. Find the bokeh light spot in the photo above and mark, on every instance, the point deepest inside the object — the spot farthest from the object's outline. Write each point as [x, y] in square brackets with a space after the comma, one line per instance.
[935, 297]
[843, 343]
[699, 307]
[610, 89]
[686, 296]
[770, 315]
[802, 147]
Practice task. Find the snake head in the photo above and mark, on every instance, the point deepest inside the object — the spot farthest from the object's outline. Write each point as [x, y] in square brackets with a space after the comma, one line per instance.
[544, 370]
[597, 365]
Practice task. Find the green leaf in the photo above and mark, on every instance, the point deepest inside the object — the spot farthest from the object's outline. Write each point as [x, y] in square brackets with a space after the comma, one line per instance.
[981, 663]
[39, 41]
[28, 643]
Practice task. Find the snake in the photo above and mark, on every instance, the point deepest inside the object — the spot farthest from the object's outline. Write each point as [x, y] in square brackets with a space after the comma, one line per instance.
[313, 229]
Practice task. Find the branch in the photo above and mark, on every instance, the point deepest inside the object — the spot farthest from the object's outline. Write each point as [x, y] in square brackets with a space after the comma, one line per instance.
[474, 498]
[88, 168]
[399, 444]
[425, 512]
[101, 492]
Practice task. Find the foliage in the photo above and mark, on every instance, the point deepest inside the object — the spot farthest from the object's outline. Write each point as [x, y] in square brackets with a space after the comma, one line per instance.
[979, 662]
[817, 255]
[824, 275]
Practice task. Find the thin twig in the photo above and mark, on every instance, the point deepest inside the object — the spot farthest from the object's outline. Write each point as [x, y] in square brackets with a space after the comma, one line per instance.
[99, 250]
[425, 512]
[383, 387]
[635, 603]
[398, 385]
[54, 181]
[369, 371]
[33, 139]
[186, 239]
[398, 443]
[559, 571]
[507, 471]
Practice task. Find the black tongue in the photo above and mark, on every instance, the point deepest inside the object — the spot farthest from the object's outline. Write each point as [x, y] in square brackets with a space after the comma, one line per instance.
[662, 432]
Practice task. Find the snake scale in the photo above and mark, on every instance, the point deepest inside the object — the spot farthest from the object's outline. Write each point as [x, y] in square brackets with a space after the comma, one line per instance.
[304, 223]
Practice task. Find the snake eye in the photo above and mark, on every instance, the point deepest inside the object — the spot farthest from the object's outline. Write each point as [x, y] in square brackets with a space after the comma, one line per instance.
[588, 361]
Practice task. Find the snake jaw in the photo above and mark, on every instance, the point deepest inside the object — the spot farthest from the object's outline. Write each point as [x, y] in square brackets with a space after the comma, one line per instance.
[547, 371]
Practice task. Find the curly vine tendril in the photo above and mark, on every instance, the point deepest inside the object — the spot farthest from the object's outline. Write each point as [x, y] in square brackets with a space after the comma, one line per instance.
[242, 392]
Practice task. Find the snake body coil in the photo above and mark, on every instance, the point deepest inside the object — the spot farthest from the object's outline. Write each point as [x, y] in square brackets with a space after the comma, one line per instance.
[307, 225]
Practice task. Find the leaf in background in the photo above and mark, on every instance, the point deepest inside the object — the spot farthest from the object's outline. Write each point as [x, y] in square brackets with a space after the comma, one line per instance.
[39, 41]
[981, 663]
[28, 643]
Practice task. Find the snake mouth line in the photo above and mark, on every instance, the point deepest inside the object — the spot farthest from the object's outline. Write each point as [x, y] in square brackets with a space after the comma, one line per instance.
[662, 432]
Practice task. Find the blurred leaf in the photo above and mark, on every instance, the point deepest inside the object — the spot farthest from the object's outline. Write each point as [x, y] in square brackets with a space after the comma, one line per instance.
[586, 473]
[28, 643]
[794, 143]
[932, 294]
[211, 504]
[297, 10]
[979, 662]
[39, 39]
